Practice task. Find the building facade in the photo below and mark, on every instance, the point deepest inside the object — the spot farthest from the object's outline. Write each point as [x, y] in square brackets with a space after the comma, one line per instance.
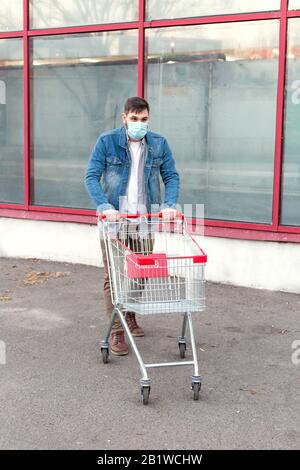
[223, 82]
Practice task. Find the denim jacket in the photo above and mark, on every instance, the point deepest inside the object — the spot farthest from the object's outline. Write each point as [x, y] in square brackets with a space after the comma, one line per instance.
[110, 159]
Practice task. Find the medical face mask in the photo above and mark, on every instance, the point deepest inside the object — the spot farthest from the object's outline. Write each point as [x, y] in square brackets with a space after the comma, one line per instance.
[137, 130]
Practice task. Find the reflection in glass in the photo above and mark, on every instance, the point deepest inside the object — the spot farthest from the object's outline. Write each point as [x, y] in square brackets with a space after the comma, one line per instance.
[79, 86]
[11, 15]
[174, 9]
[212, 91]
[290, 208]
[11, 121]
[58, 13]
[294, 4]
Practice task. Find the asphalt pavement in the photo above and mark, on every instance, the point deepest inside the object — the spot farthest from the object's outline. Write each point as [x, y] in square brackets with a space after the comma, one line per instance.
[56, 393]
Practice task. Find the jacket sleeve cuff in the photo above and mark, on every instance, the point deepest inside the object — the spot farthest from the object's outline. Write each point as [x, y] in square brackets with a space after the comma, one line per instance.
[104, 207]
[170, 205]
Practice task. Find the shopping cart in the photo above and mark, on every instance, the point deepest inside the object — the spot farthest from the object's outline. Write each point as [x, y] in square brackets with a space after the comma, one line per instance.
[155, 267]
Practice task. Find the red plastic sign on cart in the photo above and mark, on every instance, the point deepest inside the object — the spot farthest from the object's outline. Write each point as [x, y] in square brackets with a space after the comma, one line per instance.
[141, 266]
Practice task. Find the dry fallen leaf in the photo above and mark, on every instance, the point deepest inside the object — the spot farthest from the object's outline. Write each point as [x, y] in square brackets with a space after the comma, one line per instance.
[5, 296]
[36, 277]
[61, 274]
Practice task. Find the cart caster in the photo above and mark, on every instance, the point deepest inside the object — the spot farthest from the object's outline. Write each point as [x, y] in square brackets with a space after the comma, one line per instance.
[145, 391]
[196, 387]
[182, 349]
[105, 355]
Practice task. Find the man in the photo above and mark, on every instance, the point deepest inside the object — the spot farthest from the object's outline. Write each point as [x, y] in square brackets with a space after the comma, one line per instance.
[130, 160]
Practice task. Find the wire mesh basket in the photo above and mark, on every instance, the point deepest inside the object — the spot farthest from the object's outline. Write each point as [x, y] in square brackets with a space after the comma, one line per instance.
[155, 266]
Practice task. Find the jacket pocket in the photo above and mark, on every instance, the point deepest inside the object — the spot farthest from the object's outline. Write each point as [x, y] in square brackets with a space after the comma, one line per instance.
[112, 160]
[156, 162]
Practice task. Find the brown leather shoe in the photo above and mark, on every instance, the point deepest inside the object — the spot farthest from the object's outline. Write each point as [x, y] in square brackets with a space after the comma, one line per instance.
[135, 329]
[117, 344]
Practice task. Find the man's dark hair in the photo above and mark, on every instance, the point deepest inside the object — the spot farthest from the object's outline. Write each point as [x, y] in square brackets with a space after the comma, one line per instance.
[136, 105]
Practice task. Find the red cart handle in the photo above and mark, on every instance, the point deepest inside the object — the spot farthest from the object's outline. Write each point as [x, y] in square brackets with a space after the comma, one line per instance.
[136, 216]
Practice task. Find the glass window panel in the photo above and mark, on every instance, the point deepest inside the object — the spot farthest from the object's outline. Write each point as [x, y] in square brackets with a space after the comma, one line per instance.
[157, 9]
[11, 121]
[294, 4]
[290, 212]
[212, 91]
[11, 15]
[58, 13]
[79, 86]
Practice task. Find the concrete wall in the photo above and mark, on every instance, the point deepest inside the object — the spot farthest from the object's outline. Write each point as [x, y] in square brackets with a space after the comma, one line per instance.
[57, 241]
[266, 265]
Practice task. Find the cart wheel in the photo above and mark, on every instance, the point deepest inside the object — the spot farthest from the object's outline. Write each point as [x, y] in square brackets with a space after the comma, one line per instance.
[182, 349]
[196, 387]
[145, 394]
[105, 355]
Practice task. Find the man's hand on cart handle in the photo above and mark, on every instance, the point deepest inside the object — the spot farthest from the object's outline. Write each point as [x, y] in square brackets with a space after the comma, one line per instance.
[111, 215]
[170, 214]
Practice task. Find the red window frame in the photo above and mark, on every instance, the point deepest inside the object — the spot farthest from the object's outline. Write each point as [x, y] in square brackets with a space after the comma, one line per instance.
[228, 229]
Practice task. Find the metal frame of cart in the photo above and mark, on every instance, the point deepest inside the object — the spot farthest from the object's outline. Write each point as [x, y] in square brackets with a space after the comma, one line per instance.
[155, 267]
